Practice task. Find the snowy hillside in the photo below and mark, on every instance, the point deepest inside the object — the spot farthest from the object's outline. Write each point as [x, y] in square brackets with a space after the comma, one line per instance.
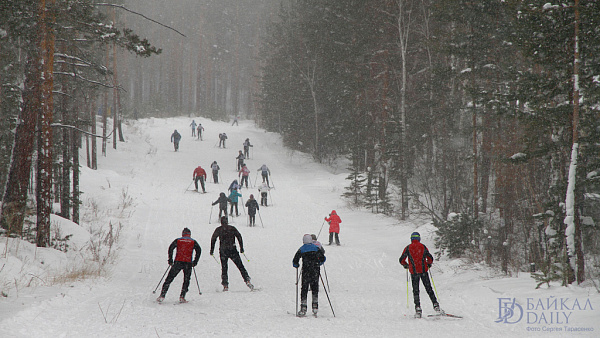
[142, 187]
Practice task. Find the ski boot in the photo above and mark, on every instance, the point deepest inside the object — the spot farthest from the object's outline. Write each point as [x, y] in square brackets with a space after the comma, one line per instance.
[315, 309]
[182, 300]
[418, 312]
[250, 286]
[302, 311]
[225, 288]
[160, 299]
[437, 309]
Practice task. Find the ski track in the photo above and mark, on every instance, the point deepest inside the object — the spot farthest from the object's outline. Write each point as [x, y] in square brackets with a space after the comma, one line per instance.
[367, 285]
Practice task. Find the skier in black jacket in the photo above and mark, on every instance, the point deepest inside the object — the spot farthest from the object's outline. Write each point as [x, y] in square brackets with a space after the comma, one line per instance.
[227, 235]
[252, 206]
[186, 246]
[222, 201]
[312, 259]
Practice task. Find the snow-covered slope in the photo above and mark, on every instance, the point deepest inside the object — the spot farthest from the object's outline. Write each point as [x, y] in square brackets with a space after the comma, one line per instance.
[368, 288]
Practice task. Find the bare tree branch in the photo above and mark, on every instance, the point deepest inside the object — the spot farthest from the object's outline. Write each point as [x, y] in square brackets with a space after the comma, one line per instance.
[142, 15]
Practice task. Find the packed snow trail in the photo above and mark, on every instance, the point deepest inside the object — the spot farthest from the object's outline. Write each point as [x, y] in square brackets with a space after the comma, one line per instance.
[368, 285]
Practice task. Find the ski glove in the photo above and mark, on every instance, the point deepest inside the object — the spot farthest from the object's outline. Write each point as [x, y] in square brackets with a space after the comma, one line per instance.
[170, 262]
[194, 264]
[296, 266]
[405, 266]
[429, 265]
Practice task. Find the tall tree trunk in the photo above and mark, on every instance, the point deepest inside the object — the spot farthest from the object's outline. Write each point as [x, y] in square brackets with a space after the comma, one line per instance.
[44, 169]
[93, 107]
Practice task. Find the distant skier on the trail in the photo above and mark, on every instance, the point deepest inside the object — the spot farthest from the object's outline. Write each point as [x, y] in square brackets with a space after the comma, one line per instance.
[244, 173]
[264, 191]
[200, 130]
[199, 175]
[227, 250]
[215, 171]
[417, 259]
[312, 259]
[252, 206]
[193, 125]
[222, 202]
[235, 121]
[334, 227]
[234, 185]
[240, 160]
[175, 138]
[233, 200]
[185, 246]
[247, 146]
[265, 172]
[222, 138]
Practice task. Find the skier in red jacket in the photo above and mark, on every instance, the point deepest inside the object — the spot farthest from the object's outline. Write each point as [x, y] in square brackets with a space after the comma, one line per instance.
[199, 175]
[417, 259]
[186, 246]
[334, 227]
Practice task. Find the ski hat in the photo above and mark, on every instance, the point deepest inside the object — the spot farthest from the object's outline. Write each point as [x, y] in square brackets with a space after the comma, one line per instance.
[251, 196]
[222, 194]
[415, 236]
[307, 239]
[223, 220]
[186, 231]
[333, 212]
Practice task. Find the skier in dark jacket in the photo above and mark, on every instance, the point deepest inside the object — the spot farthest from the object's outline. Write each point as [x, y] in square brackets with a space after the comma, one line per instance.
[175, 138]
[186, 246]
[227, 250]
[222, 138]
[312, 259]
[247, 146]
[234, 186]
[417, 259]
[252, 206]
[222, 201]
[200, 130]
[215, 171]
[240, 160]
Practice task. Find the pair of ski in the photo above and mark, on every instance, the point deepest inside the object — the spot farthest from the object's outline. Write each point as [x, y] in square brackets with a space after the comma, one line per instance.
[440, 315]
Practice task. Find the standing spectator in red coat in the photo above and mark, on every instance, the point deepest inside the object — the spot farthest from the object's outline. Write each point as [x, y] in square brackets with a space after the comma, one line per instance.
[417, 259]
[334, 227]
[199, 175]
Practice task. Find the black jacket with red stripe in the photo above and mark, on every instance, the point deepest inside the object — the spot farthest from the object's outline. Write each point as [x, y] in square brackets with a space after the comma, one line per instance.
[417, 257]
[185, 248]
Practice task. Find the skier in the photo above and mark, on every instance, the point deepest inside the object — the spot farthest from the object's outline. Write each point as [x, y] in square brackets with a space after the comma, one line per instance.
[312, 259]
[185, 245]
[252, 206]
[264, 191]
[235, 121]
[199, 175]
[215, 171]
[233, 200]
[234, 185]
[334, 227]
[227, 235]
[417, 259]
[244, 172]
[175, 138]
[222, 201]
[222, 138]
[317, 243]
[200, 130]
[247, 146]
[265, 172]
[240, 160]
[193, 125]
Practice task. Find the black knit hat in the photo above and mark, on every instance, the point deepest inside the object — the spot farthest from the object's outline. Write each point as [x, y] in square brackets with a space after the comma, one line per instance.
[224, 220]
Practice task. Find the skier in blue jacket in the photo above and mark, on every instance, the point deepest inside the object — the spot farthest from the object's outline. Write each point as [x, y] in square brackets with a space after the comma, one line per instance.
[233, 198]
[312, 259]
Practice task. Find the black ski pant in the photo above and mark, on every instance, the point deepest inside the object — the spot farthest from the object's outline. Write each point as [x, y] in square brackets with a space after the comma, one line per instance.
[201, 179]
[310, 279]
[252, 219]
[216, 176]
[234, 255]
[222, 210]
[193, 131]
[176, 145]
[265, 177]
[263, 198]
[246, 152]
[234, 204]
[416, 277]
[337, 238]
[187, 274]
[244, 179]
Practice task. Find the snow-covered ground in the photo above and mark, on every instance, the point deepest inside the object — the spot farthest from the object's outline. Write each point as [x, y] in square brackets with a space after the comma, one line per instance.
[142, 187]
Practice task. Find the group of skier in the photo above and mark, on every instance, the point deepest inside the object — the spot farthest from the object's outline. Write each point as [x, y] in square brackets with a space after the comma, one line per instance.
[415, 257]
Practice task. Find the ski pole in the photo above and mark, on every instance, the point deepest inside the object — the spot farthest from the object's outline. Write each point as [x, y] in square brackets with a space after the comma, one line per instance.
[271, 197]
[406, 288]
[326, 293]
[296, 290]
[161, 279]
[220, 178]
[321, 229]
[210, 216]
[215, 259]
[326, 279]
[272, 183]
[245, 257]
[260, 217]
[432, 282]
[197, 284]
[188, 187]
[255, 178]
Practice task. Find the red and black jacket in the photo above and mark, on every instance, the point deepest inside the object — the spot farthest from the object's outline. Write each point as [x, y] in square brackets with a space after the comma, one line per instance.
[185, 247]
[417, 257]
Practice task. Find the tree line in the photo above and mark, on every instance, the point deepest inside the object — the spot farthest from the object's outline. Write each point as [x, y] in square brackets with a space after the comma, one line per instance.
[483, 114]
